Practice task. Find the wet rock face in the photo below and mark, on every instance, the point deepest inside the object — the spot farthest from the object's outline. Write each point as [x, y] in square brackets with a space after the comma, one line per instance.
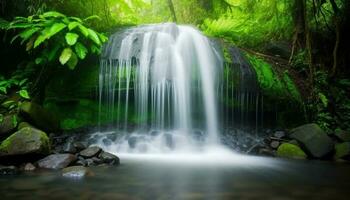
[26, 141]
[76, 172]
[7, 126]
[57, 161]
[39, 116]
[90, 152]
[315, 141]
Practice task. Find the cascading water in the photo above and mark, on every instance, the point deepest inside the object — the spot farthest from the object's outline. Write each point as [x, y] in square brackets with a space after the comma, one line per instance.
[160, 84]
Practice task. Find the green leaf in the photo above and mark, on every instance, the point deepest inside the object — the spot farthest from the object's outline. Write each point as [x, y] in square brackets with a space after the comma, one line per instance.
[94, 37]
[3, 90]
[84, 30]
[92, 17]
[95, 49]
[25, 35]
[22, 82]
[39, 60]
[73, 61]
[73, 25]
[7, 104]
[52, 14]
[323, 99]
[80, 50]
[24, 94]
[65, 55]
[48, 33]
[14, 121]
[1, 118]
[71, 38]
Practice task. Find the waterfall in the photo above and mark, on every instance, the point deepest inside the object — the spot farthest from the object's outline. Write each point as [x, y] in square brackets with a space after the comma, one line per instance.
[160, 84]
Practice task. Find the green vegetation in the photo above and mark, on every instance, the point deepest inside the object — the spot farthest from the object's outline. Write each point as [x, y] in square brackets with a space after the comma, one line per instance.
[287, 150]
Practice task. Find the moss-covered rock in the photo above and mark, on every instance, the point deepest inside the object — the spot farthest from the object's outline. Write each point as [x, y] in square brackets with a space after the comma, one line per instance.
[287, 150]
[39, 116]
[342, 150]
[26, 141]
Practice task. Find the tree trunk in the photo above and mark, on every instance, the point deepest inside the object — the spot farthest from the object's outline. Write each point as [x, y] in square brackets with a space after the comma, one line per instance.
[172, 10]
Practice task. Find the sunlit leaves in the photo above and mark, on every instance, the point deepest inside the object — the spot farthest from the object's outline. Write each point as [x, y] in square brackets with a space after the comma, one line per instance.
[54, 37]
[71, 38]
[24, 94]
[65, 55]
[80, 50]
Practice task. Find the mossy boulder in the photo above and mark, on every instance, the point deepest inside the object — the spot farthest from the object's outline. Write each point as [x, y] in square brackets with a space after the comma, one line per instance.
[8, 125]
[287, 150]
[342, 151]
[313, 139]
[39, 116]
[26, 141]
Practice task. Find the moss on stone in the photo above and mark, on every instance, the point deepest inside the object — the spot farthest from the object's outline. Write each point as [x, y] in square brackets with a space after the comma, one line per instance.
[25, 141]
[287, 150]
[342, 150]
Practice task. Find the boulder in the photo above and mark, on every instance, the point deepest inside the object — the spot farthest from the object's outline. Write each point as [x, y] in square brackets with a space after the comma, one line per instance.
[79, 146]
[274, 144]
[26, 141]
[7, 126]
[39, 116]
[314, 140]
[287, 150]
[109, 158]
[56, 161]
[29, 167]
[342, 135]
[90, 152]
[342, 151]
[279, 134]
[76, 172]
[8, 170]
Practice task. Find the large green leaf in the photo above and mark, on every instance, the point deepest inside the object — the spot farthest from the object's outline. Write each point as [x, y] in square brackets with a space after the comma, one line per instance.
[94, 37]
[52, 14]
[73, 25]
[80, 50]
[24, 94]
[84, 30]
[71, 38]
[92, 17]
[48, 33]
[57, 27]
[25, 35]
[65, 55]
[73, 61]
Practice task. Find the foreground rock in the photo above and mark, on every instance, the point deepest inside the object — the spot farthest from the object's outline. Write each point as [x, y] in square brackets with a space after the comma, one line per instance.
[76, 172]
[287, 150]
[8, 170]
[39, 116]
[26, 141]
[315, 141]
[56, 161]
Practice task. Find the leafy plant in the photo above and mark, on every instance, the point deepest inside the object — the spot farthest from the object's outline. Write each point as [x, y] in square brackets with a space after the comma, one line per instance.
[53, 37]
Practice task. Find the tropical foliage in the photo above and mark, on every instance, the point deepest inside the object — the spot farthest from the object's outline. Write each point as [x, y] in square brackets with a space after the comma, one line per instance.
[52, 36]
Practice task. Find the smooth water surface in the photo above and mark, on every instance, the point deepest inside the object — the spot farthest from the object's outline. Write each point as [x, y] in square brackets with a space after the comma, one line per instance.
[157, 177]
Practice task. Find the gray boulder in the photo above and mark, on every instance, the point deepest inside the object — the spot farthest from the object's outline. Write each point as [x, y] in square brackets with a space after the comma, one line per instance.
[109, 158]
[314, 140]
[56, 161]
[90, 152]
[26, 141]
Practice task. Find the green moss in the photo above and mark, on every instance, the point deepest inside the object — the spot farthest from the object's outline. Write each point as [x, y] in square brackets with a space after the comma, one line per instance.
[19, 141]
[342, 150]
[287, 150]
[291, 87]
